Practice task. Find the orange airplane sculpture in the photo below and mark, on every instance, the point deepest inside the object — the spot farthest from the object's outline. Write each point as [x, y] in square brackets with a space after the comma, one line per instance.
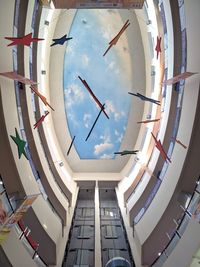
[116, 38]
[25, 40]
[179, 142]
[13, 75]
[160, 148]
[158, 46]
[93, 95]
[43, 98]
[147, 121]
[40, 120]
[178, 78]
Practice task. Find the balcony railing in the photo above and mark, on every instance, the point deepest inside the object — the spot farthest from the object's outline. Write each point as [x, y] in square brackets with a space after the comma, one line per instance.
[10, 204]
[180, 89]
[181, 227]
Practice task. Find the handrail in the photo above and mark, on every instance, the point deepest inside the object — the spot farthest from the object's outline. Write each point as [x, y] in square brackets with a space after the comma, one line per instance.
[28, 239]
[187, 214]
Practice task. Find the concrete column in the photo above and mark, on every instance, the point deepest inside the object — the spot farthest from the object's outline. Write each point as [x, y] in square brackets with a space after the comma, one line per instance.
[134, 242]
[97, 229]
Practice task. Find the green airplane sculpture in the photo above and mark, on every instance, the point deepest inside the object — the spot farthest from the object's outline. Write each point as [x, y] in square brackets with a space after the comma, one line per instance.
[127, 152]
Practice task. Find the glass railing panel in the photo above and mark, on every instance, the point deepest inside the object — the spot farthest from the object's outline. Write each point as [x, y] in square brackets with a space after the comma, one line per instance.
[39, 262]
[160, 261]
[172, 244]
[192, 206]
[184, 224]
[6, 204]
[198, 186]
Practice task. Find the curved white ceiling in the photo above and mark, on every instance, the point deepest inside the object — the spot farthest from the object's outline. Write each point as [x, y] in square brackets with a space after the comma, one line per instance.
[141, 69]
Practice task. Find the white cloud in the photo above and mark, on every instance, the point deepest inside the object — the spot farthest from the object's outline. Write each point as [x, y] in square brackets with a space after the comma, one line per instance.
[105, 137]
[72, 119]
[119, 135]
[110, 109]
[73, 95]
[85, 60]
[98, 149]
[117, 71]
[106, 34]
[119, 139]
[87, 119]
[106, 156]
[69, 50]
[116, 133]
[119, 115]
[111, 65]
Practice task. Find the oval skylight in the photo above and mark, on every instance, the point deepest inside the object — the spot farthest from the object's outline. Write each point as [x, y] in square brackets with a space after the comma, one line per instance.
[109, 77]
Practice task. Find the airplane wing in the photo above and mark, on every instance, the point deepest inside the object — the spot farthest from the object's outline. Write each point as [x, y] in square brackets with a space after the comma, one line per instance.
[63, 37]
[160, 148]
[147, 121]
[25, 40]
[158, 46]
[93, 95]
[132, 94]
[40, 120]
[116, 38]
[107, 49]
[43, 98]
[70, 145]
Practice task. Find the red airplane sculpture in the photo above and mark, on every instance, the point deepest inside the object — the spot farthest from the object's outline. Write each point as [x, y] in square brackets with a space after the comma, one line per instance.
[93, 95]
[25, 40]
[40, 120]
[158, 46]
[43, 98]
[160, 148]
[116, 38]
[147, 121]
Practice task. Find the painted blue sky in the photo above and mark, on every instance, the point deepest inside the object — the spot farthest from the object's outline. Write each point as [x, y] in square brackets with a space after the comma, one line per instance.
[109, 78]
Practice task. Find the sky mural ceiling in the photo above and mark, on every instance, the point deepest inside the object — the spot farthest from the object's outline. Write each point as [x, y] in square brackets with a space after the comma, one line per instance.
[109, 77]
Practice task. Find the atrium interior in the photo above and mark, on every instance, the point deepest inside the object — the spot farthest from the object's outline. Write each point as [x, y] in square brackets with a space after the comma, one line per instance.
[99, 136]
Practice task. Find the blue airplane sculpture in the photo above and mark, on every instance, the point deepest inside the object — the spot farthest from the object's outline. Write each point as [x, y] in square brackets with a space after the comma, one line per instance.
[61, 41]
[144, 98]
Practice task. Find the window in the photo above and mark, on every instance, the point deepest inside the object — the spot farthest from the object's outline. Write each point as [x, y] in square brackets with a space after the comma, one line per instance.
[85, 232]
[82, 257]
[113, 253]
[85, 212]
[110, 212]
[111, 232]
